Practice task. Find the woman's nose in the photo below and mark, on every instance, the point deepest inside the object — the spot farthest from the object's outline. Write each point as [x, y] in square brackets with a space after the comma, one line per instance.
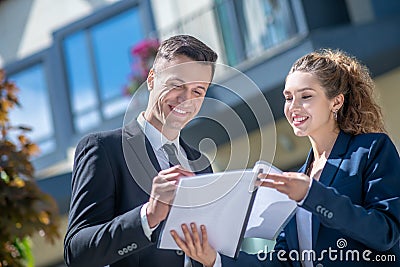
[294, 104]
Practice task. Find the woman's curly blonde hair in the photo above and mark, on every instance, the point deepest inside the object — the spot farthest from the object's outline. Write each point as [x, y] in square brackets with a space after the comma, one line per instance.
[340, 73]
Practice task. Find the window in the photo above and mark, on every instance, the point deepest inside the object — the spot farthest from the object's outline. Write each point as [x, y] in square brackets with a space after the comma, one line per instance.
[35, 110]
[267, 23]
[258, 26]
[98, 63]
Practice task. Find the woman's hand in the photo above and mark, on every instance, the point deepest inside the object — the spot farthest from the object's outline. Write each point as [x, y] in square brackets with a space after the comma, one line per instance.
[293, 184]
[194, 247]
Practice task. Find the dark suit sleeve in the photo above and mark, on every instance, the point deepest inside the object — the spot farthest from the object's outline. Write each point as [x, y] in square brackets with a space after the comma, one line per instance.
[95, 236]
[375, 220]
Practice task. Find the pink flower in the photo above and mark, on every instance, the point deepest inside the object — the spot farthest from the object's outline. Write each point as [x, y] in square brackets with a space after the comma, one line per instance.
[145, 48]
[143, 54]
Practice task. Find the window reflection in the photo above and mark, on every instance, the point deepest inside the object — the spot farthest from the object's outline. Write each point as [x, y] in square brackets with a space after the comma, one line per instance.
[112, 40]
[98, 65]
[79, 73]
[268, 22]
[35, 110]
[260, 24]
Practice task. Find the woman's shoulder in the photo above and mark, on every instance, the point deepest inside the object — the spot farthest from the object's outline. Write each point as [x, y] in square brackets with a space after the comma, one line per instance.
[374, 141]
[371, 136]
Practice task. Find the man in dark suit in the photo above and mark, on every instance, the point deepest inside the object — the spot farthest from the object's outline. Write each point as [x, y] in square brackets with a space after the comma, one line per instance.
[112, 219]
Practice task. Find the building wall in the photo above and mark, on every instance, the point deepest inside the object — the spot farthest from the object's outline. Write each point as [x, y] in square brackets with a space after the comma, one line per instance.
[26, 26]
[387, 87]
[196, 17]
[286, 152]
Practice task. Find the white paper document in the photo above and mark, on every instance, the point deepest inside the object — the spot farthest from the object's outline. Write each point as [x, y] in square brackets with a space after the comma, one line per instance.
[271, 209]
[227, 204]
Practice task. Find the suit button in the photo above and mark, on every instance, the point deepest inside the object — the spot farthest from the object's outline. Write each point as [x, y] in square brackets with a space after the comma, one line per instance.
[120, 252]
[179, 252]
[134, 246]
[125, 250]
[318, 208]
[322, 210]
[330, 215]
[319, 265]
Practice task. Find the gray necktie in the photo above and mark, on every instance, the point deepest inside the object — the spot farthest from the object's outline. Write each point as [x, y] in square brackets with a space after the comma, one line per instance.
[171, 151]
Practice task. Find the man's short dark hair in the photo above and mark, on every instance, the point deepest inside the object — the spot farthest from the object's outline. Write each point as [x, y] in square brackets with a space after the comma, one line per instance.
[188, 46]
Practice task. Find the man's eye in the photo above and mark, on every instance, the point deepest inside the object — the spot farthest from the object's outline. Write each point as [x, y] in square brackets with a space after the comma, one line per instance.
[306, 96]
[174, 86]
[288, 98]
[198, 93]
[177, 86]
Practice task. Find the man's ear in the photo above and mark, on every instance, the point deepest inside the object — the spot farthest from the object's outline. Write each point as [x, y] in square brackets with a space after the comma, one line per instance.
[338, 102]
[150, 80]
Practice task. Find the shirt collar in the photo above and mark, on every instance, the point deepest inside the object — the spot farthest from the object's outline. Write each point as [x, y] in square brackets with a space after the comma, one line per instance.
[155, 137]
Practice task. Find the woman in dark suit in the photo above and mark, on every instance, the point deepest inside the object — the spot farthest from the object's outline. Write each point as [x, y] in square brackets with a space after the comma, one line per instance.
[348, 190]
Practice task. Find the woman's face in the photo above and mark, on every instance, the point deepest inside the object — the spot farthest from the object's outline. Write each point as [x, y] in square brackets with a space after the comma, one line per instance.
[307, 107]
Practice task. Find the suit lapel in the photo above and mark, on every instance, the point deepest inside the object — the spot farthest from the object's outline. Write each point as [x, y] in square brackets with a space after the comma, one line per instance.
[139, 155]
[330, 170]
[332, 165]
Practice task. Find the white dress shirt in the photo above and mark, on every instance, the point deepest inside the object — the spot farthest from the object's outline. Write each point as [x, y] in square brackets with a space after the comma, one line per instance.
[304, 234]
[304, 229]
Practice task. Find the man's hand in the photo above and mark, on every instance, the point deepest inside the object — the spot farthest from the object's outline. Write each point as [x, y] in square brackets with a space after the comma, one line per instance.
[162, 193]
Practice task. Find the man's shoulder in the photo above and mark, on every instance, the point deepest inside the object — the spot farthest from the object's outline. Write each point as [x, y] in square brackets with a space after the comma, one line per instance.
[102, 137]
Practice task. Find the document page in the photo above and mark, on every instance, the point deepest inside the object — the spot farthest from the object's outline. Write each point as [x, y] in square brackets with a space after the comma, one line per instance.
[219, 201]
[271, 209]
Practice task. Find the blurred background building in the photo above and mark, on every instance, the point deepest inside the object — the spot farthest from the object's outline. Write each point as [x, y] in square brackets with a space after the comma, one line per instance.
[71, 60]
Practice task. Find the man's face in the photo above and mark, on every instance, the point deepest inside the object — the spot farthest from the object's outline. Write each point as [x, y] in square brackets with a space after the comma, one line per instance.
[177, 89]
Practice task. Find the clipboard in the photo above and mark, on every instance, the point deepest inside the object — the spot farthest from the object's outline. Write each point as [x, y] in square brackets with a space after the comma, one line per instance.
[223, 202]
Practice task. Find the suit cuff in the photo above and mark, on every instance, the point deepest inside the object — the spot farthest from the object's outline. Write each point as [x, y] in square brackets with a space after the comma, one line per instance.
[300, 203]
[145, 224]
[218, 261]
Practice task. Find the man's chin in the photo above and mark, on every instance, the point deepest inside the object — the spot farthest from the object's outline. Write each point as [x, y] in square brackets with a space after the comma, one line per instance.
[177, 125]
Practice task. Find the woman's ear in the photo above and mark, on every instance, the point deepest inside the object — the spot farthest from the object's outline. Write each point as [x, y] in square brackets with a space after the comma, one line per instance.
[150, 80]
[338, 102]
